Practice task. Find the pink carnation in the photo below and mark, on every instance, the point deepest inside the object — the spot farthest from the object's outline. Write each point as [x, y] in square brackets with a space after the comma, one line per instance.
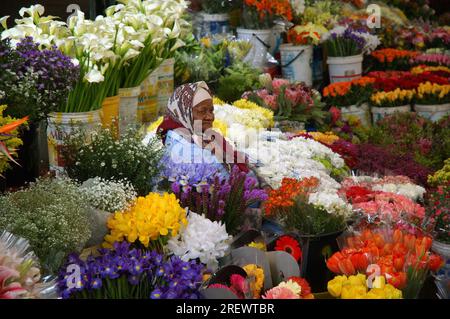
[280, 293]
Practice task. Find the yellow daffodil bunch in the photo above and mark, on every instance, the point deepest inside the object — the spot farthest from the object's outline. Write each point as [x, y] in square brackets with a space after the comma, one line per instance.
[355, 287]
[424, 68]
[257, 273]
[152, 219]
[217, 101]
[325, 137]
[266, 114]
[394, 98]
[431, 93]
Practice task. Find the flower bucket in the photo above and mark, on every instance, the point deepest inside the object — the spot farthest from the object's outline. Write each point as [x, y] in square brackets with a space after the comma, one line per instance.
[379, 113]
[165, 84]
[444, 251]
[148, 99]
[261, 41]
[344, 69]
[317, 63]
[433, 112]
[315, 252]
[296, 63]
[128, 107]
[211, 24]
[110, 112]
[61, 125]
[361, 112]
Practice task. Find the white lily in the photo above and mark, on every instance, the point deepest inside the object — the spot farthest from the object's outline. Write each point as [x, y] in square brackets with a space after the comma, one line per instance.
[94, 76]
[3, 22]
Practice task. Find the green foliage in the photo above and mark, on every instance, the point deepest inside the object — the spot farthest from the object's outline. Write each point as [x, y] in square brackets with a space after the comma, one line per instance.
[52, 215]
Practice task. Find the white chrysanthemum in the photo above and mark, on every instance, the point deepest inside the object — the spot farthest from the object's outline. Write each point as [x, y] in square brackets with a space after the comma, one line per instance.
[201, 238]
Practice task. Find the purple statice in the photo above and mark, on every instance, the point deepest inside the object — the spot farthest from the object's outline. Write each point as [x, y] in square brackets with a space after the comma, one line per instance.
[40, 79]
[126, 272]
[222, 199]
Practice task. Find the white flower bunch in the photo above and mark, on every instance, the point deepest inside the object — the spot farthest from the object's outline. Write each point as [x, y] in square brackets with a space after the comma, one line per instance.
[412, 191]
[201, 238]
[230, 115]
[332, 203]
[109, 196]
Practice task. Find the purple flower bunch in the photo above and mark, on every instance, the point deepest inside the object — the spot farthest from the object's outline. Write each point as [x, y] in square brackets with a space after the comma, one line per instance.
[43, 78]
[222, 199]
[349, 41]
[128, 273]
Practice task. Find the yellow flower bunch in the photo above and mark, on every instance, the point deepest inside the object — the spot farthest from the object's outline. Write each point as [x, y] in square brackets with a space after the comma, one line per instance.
[257, 273]
[155, 217]
[257, 245]
[264, 113]
[432, 93]
[394, 98]
[217, 101]
[442, 176]
[423, 68]
[355, 287]
[325, 137]
[220, 126]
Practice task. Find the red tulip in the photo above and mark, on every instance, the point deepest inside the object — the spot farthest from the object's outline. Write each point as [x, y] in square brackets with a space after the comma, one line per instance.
[333, 262]
[387, 249]
[346, 267]
[379, 241]
[399, 262]
[410, 241]
[398, 280]
[435, 262]
[360, 261]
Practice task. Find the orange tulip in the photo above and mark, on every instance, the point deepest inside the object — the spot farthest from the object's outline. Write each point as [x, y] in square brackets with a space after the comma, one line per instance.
[435, 262]
[346, 267]
[398, 236]
[398, 280]
[399, 262]
[379, 241]
[410, 241]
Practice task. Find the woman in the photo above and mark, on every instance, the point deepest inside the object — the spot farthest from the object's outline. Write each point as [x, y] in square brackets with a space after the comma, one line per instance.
[187, 131]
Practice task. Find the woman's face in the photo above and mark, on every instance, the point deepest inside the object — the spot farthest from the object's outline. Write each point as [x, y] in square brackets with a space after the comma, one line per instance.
[204, 111]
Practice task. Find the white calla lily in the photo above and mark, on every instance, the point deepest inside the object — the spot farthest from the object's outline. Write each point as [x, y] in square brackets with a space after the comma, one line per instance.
[4, 21]
[94, 76]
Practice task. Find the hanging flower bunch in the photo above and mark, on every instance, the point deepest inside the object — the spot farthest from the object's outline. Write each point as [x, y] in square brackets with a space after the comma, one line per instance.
[151, 221]
[428, 93]
[355, 92]
[306, 34]
[394, 98]
[260, 14]
[124, 272]
[404, 259]
[355, 287]
[20, 275]
[202, 239]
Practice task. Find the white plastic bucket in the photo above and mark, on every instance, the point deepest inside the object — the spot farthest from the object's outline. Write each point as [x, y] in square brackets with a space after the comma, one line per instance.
[444, 251]
[361, 112]
[296, 62]
[343, 69]
[433, 112]
[165, 84]
[60, 125]
[148, 99]
[128, 107]
[379, 113]
[211, 24]
[261, 42]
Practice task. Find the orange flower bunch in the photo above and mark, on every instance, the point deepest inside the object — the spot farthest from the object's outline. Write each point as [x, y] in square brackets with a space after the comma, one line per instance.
[272, 7]
[284, 196]
[343, 88]
[389, 55]
[392, 255]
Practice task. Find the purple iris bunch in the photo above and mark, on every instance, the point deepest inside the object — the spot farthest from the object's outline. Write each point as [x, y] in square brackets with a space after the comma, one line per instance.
[35, 81]
[128, 273]
[222, 199]
[349, 41]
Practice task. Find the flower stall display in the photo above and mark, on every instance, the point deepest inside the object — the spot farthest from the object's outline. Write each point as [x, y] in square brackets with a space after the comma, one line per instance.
[433, 101]
[355, 287]
[351, 97]
[297, 54]
[9, 139]
[221, 199]
[150, 222]
[124, 272]
[257, 18]
[393, 59]
[292, 103]
[386, 103]
[402, 258]
[203, 239]
[345, 48]
[104, 156]
[20, 271]
[52, 215]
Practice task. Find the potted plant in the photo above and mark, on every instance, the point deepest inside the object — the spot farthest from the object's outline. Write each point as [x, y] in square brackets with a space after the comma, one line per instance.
[386, 103]
[297, 54]
[432, 101]
[351, 97]
[345, 48]
[256, 22]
